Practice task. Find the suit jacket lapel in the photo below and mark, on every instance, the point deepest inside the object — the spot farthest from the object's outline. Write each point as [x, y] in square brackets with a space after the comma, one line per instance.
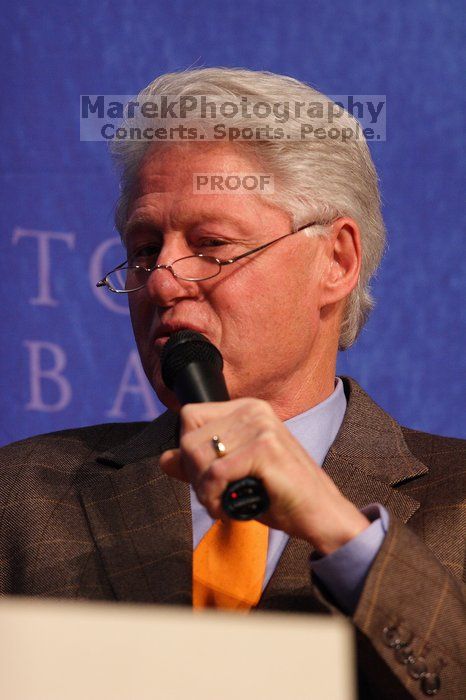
[141, 520]
[367, 459]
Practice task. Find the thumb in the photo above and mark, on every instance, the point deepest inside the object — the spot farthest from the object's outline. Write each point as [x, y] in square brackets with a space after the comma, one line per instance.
[170, 463]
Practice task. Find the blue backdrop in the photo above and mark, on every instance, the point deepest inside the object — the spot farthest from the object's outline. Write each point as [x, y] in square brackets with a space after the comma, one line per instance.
[68, 357]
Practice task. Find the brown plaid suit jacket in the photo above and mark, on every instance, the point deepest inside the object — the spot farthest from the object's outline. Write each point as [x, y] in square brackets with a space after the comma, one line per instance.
[88, 514]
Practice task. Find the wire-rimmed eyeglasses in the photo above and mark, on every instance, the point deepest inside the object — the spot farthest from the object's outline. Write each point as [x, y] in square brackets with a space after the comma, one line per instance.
[130, 277]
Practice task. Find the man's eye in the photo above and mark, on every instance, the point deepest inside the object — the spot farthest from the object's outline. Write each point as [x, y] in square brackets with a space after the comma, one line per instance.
[212, 243]
[145, 253]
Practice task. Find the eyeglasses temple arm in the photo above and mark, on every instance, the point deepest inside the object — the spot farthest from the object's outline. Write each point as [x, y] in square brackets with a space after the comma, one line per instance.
[256, 250]
[104, 281]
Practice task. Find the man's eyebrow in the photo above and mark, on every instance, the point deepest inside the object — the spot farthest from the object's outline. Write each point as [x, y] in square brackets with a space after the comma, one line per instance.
[141, 221]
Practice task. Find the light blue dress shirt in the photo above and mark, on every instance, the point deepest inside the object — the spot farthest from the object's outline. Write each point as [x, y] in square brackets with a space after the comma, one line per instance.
[344, 571]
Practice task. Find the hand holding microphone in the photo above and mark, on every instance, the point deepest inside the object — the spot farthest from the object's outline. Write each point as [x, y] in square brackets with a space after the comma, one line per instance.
[192, 368]
[301, 499]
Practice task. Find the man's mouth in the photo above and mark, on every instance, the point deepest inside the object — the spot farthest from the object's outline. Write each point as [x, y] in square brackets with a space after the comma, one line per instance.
[165, 330]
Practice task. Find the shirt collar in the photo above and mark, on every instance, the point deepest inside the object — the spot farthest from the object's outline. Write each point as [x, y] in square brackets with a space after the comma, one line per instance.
[317, 428]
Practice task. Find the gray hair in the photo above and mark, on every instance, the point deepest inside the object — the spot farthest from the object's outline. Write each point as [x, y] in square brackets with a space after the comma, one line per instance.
[320, 178]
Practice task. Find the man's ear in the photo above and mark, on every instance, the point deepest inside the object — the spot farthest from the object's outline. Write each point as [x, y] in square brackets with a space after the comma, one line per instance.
[342, 265]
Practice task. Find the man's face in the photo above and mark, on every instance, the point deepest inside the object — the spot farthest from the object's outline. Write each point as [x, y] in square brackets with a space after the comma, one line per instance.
[261, 312]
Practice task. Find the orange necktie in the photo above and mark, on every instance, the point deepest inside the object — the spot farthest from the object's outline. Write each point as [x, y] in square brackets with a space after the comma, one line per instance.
[229, 565]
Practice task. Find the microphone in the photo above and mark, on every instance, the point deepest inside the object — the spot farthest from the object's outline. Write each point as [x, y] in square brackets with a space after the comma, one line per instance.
[192, 368]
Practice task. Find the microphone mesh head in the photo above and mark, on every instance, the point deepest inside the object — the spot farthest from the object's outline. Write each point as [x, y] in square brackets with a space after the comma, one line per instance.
[184, 347]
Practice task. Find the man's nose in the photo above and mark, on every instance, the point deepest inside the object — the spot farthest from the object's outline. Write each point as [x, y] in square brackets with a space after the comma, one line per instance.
[163, 287]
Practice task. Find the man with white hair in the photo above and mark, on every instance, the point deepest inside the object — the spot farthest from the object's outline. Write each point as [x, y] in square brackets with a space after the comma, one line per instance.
[364, 515]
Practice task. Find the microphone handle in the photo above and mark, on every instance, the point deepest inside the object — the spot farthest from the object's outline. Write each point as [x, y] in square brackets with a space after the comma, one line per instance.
[244, 499]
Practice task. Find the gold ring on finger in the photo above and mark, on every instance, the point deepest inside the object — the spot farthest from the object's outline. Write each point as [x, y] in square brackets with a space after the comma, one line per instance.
[219, 447]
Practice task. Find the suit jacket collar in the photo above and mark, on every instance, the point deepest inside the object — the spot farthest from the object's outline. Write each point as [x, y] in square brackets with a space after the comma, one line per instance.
[141, 519]
[368, 457]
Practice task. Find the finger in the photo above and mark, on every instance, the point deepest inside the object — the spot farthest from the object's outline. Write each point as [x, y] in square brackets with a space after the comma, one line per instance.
[235, 423]
[262, 459]
[198, 448]
[221, 472]
[170, 462]
[197, 415]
